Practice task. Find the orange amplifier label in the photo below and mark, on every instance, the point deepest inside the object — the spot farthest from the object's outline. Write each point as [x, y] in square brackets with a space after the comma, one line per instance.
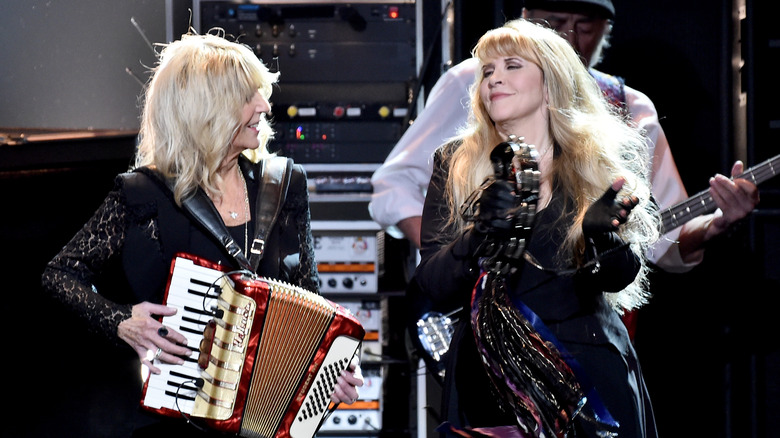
[346, 267]
[360, 404]
[371, 336]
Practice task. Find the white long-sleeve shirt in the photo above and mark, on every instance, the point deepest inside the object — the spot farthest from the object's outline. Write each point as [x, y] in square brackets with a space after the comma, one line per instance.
[401, 182]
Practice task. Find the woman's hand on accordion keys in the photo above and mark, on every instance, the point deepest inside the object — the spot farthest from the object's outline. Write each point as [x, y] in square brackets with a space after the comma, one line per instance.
[347, 384]
[150, 339]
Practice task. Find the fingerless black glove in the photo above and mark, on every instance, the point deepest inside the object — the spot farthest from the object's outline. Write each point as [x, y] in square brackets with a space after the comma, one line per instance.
[496, 207]
[600, 216]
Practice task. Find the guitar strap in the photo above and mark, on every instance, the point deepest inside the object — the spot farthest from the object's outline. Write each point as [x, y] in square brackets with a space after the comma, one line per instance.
[613, 87]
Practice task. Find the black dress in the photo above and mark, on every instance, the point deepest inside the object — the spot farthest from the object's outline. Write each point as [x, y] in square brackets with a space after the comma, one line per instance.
[573, 307]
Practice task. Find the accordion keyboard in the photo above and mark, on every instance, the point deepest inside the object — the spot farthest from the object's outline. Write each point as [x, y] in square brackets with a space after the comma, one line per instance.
[190, 292]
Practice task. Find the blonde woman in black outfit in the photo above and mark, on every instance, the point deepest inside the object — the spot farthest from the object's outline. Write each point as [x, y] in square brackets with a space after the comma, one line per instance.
[202, 143]
[582, 262]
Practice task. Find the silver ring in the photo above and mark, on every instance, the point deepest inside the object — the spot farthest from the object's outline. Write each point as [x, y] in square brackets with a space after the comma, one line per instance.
[158, 353]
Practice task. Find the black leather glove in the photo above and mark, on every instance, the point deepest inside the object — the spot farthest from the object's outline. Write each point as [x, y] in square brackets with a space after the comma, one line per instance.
[607, 214]
[497, 205]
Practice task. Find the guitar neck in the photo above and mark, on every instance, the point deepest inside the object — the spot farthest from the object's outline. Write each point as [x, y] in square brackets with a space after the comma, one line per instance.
[702, 203]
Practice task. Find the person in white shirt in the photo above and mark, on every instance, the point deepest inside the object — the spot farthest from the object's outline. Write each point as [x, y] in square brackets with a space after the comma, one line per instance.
[401, 182]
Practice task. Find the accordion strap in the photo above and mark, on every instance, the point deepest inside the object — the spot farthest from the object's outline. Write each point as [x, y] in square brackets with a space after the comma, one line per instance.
[272, 193]
[276, 172]
[203, 210]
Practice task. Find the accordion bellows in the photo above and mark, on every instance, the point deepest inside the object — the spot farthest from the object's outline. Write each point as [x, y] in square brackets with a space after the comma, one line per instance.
[269, 352]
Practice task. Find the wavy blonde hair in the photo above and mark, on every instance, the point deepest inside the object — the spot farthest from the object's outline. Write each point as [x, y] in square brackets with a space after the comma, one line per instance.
[594, 144]
[192, 109]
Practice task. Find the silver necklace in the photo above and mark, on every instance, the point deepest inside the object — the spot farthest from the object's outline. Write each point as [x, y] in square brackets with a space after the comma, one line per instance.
[234, 214]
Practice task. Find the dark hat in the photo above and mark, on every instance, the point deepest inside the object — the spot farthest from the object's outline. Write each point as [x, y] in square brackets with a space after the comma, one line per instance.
[604, 7]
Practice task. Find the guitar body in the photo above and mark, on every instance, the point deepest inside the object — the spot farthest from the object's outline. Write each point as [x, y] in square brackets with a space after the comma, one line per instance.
[419, 307]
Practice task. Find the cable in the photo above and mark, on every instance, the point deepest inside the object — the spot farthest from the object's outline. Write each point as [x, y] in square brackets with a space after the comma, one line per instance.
[198, 384]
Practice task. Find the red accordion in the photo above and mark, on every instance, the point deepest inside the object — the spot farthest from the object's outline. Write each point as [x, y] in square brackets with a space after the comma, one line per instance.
[268, 353]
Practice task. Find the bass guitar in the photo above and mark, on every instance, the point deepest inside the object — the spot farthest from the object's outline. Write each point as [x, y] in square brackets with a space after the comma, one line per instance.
[702, 202]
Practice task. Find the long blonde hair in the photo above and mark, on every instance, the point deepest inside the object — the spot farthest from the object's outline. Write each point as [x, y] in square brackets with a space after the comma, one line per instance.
[192, 109]
[594, 144]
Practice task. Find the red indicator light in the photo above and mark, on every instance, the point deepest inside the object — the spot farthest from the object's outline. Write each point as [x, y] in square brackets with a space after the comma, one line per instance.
[392, 12]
